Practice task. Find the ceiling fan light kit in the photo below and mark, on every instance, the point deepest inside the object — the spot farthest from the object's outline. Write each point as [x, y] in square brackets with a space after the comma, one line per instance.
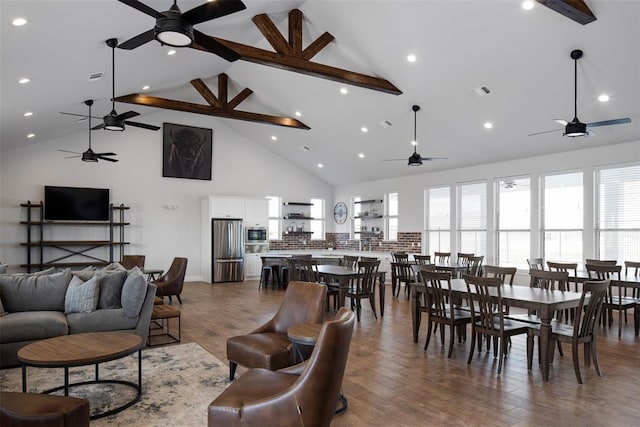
[172, 30]
[575, 129]
[112, 123]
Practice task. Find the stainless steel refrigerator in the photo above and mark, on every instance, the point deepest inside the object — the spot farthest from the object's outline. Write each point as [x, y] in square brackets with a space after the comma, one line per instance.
[227, 240]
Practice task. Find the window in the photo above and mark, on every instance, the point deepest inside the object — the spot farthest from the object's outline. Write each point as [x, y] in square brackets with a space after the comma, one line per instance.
[617, 222]
[439, 219]
[391, 222]
[318, 221]
[562, 217]
[513, 221]
[356, 208]
[472, 218]
[275, 213]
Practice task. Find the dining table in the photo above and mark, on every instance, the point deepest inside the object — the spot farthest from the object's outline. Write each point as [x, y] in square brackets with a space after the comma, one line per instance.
[343, 275]
[544, 302]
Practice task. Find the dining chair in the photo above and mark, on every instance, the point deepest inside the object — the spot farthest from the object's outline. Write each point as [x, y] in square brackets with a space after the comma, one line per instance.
[583, 330]
[403, 274]
[543, 279]
[620, 301]
[441, 309]
[590, 261]
[632, 268]
[368, 258]
[308, 269]
[535, 263]
[572, 269]
[463, 258]
[422, 259]
[399, 256]
[442, 257]
[487, 307]
[506, 274]
[363, 287]
[474, 265]
[349, 261]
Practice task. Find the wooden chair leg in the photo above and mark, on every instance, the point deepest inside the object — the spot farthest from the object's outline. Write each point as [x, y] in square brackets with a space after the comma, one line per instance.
[473, 345]
[576, 363]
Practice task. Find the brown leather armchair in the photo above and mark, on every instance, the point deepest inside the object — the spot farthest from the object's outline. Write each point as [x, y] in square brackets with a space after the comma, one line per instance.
[304, 394]
[34, 409]
[130, 261]
[172, 281]
[268, 346]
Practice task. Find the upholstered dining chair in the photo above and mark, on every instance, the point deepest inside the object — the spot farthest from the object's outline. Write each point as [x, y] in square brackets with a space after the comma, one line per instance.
[171, 282]
[487, 307]
[268, 346]
[441, 308]
[583, 330]
[130, 261]
[301, 395]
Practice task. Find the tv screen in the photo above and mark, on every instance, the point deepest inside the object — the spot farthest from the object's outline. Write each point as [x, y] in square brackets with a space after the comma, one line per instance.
[76, 204]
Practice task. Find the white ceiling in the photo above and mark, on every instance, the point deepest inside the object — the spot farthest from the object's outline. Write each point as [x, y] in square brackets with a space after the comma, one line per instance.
[521, 56]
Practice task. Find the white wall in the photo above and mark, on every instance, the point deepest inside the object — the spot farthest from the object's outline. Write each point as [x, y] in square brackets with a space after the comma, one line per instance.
[411, 189]
[240, 167]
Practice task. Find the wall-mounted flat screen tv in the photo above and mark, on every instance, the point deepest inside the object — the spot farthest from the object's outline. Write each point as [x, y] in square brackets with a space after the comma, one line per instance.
[76, 204]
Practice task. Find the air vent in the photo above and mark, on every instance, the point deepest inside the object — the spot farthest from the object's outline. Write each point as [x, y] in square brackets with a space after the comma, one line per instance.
[95, 76]
[386, 124]
[305, 148]
[480, 91]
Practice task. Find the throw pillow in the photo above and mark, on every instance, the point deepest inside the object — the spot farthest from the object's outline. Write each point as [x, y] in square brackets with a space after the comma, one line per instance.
[3, 268]
[111, 283]
[86, 273]
[113, 266]
[134, 292]
[82, 297]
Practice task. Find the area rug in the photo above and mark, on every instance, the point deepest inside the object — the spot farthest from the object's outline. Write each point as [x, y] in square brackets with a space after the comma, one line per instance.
[178, 383]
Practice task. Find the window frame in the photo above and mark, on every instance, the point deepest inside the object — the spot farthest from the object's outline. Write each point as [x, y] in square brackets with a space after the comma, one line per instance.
[499, 232]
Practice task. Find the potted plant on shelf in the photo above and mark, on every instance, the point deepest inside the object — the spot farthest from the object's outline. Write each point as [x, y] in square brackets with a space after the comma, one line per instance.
[331, 241]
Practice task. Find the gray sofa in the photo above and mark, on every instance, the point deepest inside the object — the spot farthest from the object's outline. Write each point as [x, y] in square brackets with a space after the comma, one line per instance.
[52, 303]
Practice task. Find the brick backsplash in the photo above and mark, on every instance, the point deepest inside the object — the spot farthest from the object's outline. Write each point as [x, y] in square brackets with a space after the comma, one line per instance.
[408, 242]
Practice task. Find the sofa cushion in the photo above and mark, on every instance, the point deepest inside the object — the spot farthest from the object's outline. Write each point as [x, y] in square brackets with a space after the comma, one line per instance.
[134, 292]
[110, 283]
[34, 292]
[3, 312]
[32, 325]
[108, 319]
[82, 297]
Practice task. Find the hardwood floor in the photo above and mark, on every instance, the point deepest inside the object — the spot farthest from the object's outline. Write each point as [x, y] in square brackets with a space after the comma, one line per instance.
[391, 381]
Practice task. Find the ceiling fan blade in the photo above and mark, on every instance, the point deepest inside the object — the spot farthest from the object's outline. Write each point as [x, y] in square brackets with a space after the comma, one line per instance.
[106, 158]
[208, 44]
[127, 115]
[142, 125]
[138, 40]
[67, 151]
[73, 157]
[394, 160]
[609, 122]
[212, 10]
[434, 158]
[561, 122]
[100, 126]
[105, 154]
[79, 115]
[546, 131]
[142, 8]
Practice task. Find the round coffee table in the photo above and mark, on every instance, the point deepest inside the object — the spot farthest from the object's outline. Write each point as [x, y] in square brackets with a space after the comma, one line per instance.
[80, 350]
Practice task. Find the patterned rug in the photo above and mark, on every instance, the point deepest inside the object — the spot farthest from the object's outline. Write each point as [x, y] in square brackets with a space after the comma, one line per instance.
[178, 383]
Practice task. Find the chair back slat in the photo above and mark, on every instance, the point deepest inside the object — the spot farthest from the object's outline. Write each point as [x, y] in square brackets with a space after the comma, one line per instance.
[442, 257]
[365, 283]
[422, 259]
[549, 280]
[438, 289]
[506, 274]
[486, 295]
[535, 263]
[586, 320]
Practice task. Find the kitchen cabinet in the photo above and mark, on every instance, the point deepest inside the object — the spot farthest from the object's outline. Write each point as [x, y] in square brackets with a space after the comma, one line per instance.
[256, 213]
[252, 265]
[226, 207]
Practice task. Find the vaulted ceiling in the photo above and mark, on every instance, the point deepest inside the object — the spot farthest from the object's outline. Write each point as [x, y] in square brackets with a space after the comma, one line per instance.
[521, 56]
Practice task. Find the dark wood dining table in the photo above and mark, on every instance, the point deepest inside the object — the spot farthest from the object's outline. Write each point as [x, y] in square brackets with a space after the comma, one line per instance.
[545, 302]
[343, 275]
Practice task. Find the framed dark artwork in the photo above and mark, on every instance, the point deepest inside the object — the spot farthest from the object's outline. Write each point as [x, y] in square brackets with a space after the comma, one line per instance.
[186, 152]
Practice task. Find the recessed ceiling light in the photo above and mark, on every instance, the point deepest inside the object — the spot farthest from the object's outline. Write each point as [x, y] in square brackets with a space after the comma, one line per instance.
[24, 80]
[274, 138]
[298, 114]
[603, 98]
[344, 91]
[411, 58]
[364, 129]
[28, 114]
[31, 135]
[171, 52]
[414, 142]
[527, 4]
[146, 87]
[361, 155]
[18, 22]
[488, 125]
[320, 165]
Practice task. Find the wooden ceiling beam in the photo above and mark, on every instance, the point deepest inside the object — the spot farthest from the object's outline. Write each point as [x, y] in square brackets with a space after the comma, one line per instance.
[244, 94]
[576, 10]
[206, 93]
[290, 55]
[223, 83]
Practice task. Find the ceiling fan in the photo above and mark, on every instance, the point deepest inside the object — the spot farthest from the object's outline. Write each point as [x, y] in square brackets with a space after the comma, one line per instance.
[416, 159]
[90, 155]
[575, 127]
[174, 28]
[114, 121]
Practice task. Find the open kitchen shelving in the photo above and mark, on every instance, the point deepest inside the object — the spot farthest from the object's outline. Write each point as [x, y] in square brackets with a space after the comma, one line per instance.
[297, 216]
